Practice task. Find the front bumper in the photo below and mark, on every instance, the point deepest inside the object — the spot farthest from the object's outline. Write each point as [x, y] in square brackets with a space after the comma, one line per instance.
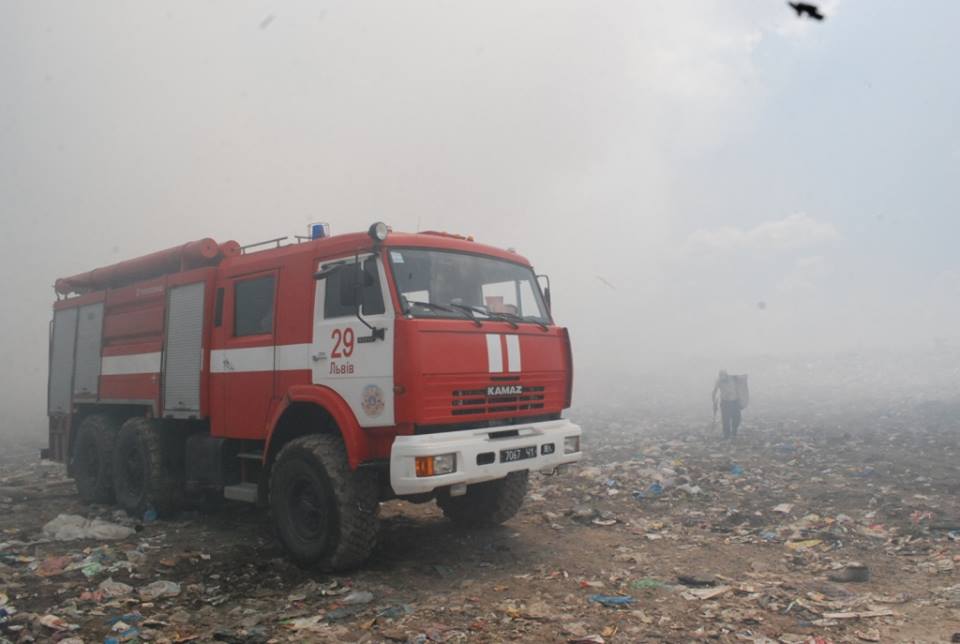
[468, 444]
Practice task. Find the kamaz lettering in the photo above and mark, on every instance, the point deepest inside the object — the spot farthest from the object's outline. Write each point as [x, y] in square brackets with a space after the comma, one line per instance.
[504, 390]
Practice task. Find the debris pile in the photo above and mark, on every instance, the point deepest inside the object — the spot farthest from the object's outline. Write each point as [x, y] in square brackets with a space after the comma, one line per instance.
[840, 527]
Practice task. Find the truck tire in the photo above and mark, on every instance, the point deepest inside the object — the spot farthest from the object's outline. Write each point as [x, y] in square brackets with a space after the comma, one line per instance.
[325, 514]
[489, 503]
[142, 476]
[92, 461]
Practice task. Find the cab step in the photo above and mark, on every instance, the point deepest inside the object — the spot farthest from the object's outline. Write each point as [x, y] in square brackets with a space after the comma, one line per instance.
[251, 456]
[246, 492]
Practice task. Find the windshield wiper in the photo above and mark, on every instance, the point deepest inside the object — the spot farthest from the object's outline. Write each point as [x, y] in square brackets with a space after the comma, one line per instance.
[505, 317]
[441, 307]
[526, 318]
[468, 311]
[535, 320]
[509, 318]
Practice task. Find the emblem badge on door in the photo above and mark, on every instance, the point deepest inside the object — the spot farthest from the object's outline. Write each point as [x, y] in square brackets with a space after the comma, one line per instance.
[372, 400]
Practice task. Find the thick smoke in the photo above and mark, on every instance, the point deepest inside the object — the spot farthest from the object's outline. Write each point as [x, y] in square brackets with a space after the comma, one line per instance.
[708, 185]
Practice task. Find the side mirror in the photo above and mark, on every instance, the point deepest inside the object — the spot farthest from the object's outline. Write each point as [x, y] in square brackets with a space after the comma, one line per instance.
[544, 282]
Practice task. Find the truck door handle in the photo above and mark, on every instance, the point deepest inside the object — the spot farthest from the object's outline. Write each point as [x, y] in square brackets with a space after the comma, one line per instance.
[226, 365]
[320, 355]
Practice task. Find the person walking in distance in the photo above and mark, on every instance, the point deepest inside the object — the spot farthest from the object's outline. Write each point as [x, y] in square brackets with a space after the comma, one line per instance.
[726, 396]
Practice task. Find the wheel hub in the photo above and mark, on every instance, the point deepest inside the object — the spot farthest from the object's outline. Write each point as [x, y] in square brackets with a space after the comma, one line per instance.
[133, 470]
[306, 509]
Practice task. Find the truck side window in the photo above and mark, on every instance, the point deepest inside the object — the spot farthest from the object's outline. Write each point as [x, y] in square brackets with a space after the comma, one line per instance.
[218, 308]
[371, 295]
[253, 306]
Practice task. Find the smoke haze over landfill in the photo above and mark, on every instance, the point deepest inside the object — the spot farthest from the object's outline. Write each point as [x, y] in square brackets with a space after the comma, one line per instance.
[707, 184]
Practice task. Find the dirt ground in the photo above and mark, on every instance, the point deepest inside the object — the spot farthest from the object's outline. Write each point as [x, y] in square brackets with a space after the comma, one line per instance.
[700, 539]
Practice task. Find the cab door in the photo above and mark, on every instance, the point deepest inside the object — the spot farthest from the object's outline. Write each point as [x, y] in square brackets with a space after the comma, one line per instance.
[242, 366]
[347, 355]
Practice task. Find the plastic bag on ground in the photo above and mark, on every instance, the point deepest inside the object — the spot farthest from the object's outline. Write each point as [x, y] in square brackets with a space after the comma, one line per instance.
[159, 589]
[69, 527]
[612, 601]
[113, 588]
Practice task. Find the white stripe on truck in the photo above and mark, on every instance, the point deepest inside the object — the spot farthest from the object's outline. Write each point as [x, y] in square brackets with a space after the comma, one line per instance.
[283, 357]
[494, 353]
[130, 364]
[513, 353]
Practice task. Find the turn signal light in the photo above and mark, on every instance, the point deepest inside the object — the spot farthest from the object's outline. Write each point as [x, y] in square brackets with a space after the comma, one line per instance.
[436, 465]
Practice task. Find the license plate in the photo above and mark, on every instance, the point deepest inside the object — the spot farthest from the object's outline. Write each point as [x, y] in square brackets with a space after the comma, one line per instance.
[517, 454]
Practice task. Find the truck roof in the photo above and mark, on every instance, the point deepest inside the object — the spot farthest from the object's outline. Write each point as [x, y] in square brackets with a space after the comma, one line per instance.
[132, 271]
[355, 242]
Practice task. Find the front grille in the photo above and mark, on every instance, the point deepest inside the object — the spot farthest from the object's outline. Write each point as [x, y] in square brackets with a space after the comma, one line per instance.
[466, 402]
[464, 398]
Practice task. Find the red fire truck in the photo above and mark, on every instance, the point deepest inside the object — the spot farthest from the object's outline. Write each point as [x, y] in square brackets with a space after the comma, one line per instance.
[318, 378]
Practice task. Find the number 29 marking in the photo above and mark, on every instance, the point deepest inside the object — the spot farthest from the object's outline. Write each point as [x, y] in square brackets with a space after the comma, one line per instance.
[343, 341]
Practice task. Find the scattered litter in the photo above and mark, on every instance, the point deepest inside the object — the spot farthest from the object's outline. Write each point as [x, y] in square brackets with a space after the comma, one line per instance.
[344, 612]
[311, 623]
[357, 597]
[52, 566]
[859, 614]
[111, 588]
[396, 612]
[704, 554]
[705, 593]
[56, 623]
[805, 544]
[612, 601]
[159, 589]
[852, 572]
[70, 527]
[696, 581]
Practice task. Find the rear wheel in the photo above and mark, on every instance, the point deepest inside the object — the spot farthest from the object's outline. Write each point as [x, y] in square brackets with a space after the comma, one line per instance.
[489, 503]
[325, 513]
[143, 478]
[92, 460]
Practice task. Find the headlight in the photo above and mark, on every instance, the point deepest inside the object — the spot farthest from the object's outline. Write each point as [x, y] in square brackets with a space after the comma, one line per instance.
[436, 465]
[378, 231]
[571, 444]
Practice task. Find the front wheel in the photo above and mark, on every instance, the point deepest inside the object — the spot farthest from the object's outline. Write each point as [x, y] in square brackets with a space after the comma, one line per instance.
[489, 503]
[325, 514]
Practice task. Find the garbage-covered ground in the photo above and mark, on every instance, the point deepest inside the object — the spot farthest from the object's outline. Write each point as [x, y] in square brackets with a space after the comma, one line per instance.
[664, 533]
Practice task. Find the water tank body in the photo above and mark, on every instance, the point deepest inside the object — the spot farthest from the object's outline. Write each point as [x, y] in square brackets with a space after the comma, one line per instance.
[202, 252]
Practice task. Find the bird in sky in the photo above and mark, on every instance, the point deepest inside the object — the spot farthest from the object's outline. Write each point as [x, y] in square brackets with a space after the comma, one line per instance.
[805, 8]
[606, 282]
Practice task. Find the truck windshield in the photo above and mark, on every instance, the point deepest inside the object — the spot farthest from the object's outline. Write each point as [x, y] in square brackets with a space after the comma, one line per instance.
[435, 283]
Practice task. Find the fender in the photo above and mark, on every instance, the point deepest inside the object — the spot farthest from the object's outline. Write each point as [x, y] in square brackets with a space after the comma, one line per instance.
[354, 438]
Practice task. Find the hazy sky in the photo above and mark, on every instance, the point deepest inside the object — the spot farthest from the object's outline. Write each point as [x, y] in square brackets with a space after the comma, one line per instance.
[699, 156]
